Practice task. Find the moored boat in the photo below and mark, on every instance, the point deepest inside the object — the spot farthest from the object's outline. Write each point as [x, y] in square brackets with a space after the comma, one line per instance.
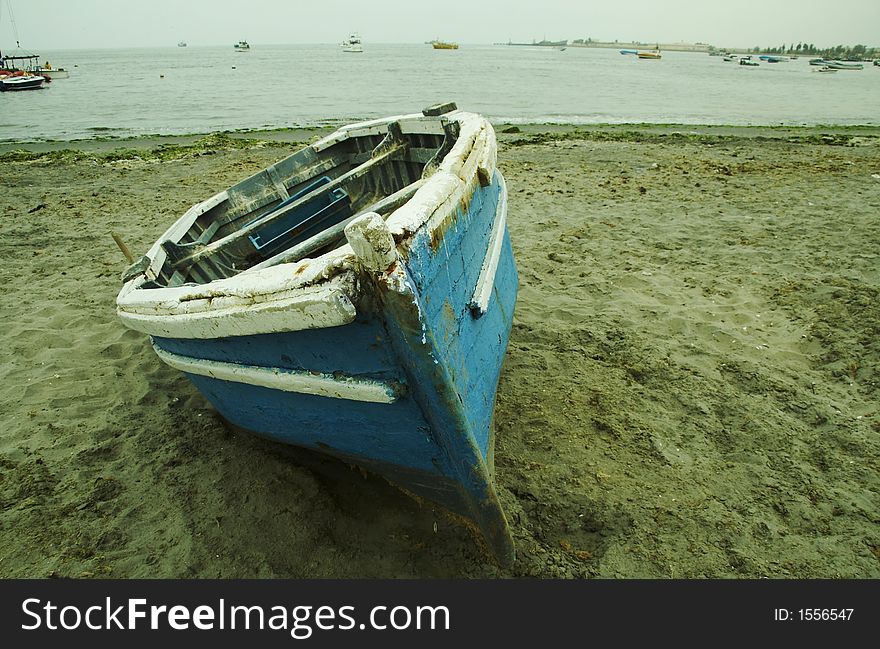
[748, 62]
[844, 65]
[444, 45]
[21, 62]
[356, 299]
[21, 82]
[53, 73]
[50, 72]
[629, 51]
[653, 54]
[242, 46]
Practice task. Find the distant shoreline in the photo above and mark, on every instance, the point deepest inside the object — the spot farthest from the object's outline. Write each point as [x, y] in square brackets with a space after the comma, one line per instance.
[505, 130]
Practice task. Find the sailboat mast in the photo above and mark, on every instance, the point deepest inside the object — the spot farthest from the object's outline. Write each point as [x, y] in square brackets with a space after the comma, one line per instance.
[12, 20]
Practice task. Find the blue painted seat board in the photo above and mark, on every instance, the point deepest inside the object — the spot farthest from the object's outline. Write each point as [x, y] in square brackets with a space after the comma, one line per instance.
[312, 217]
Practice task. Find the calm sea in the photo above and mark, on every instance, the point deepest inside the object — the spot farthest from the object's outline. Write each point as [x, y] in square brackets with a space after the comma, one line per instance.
[201, 89]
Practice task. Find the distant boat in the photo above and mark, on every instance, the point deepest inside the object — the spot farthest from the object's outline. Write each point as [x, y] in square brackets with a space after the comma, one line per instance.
[769, 58]
[877, 62]
[443, 45]
[729, 57]
[356, 299]
[825, 68]
[749, 62]
[242, 46]
[843, 65]
[181, 44]
[352, 43]
[653, 54]
[629, 51]
[817, 61]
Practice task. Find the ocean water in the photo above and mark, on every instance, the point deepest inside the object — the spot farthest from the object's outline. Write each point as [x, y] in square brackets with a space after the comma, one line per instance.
[177, 90]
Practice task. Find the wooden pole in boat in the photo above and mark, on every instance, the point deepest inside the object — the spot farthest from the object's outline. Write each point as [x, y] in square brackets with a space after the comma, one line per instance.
[125, 251]
[199, 253]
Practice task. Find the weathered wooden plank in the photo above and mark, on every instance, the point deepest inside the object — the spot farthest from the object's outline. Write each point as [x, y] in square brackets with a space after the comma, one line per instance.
[188, 257]
[244, 201]
[312, 244]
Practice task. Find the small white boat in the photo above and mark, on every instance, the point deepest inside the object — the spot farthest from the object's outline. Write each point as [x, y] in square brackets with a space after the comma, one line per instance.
[352, 43]
[50, 72]
[53, 73]
[181, 44]
[242, 46]
[22, 82]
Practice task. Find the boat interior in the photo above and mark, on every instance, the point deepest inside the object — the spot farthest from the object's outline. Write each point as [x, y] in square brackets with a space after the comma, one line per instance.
[299, 207]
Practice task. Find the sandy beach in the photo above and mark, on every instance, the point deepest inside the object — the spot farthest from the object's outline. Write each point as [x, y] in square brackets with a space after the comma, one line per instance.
[691, 388]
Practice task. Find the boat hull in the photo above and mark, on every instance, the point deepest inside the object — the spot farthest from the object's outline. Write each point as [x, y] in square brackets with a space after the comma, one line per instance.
[54, 73]
[405, 384]
[22, 83]
[839, 65]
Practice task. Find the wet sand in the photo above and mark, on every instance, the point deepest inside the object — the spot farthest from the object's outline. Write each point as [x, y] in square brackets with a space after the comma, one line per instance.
[691, 387]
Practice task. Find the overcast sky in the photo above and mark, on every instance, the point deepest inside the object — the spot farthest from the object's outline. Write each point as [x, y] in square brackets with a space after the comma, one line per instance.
[63, 24]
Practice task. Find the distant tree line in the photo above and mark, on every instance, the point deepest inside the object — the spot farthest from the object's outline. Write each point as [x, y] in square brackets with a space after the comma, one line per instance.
[840, 52]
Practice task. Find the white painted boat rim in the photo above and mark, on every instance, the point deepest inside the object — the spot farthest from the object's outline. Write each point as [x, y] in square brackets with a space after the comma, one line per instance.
[479, 303]
[335, 386]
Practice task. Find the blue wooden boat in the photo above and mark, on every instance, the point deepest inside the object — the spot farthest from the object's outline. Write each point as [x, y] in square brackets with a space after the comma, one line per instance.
[356, 299]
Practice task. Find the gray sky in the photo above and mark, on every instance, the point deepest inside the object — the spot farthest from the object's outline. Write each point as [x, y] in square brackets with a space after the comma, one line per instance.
[63, 24]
